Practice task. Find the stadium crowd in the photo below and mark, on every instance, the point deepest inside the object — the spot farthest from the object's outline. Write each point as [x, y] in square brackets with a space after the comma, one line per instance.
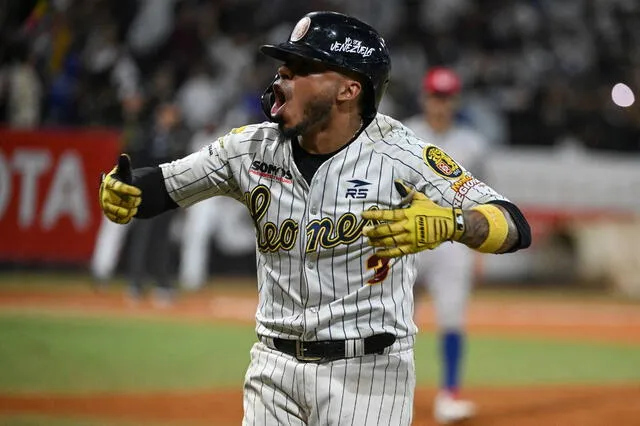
[536, 72]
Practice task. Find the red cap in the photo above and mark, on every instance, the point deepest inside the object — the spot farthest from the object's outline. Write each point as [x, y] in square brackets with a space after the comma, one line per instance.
[441, 81]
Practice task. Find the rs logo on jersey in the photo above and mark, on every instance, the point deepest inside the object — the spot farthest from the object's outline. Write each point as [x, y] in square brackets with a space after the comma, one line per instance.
[358, 190]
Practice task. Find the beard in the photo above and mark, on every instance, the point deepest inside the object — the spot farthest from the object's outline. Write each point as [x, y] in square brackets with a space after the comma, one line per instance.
[315, 116]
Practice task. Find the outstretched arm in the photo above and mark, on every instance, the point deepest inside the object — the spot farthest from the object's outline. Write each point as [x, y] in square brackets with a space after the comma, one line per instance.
[126, 193]
[150, 191]
[155, 199]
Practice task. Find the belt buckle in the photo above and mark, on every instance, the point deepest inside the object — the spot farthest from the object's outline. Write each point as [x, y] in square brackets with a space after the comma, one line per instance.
[300, 353]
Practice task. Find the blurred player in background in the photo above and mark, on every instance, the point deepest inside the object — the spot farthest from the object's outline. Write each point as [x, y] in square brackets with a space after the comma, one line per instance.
[222, 219]
[165, 139]
[111, 237]
[106, 251]
[447, 271]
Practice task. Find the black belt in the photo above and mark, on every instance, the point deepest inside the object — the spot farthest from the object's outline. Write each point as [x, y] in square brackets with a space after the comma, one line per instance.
[331, 350]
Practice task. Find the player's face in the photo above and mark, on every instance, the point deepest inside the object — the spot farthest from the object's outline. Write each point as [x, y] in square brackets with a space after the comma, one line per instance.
[440, 107]
[305, 95]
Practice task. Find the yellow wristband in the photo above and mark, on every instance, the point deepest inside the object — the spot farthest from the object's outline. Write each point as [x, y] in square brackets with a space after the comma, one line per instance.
[498, 228]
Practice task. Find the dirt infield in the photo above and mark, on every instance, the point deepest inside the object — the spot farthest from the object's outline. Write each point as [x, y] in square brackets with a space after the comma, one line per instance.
[593, 320]
[559, 405]
[565, 406]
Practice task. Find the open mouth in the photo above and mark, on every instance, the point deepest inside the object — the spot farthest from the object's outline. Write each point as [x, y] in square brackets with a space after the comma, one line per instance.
[279, 102]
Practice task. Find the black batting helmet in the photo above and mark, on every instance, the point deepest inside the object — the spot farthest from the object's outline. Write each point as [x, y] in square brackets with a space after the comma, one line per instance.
[342, 42]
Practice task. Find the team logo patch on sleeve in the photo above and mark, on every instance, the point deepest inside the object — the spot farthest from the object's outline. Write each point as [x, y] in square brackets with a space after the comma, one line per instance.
[441, 163]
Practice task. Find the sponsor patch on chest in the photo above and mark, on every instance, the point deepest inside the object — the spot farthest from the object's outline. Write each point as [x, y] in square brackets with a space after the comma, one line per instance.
[270, 171]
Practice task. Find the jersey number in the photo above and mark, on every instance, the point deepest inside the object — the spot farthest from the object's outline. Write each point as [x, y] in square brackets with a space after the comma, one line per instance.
[380, 268]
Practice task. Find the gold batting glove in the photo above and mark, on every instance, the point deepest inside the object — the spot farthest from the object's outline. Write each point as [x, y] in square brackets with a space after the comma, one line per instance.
[421, 226]
[119, 200]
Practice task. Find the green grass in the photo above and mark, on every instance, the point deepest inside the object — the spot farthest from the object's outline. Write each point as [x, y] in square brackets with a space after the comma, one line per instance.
[53, 353]
[492, 360]
[33, 420]
[81, 354]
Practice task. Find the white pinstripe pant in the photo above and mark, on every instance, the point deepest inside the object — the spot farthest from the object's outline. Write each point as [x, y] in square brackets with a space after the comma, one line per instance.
[368, 390]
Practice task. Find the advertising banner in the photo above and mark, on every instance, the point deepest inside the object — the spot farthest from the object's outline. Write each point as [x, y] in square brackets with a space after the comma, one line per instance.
[49, 192]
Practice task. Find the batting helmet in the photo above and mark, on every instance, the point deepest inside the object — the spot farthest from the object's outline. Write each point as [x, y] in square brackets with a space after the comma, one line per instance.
[342, 42]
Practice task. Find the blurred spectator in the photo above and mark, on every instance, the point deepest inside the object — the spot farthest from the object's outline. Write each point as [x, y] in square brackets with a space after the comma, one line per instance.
[64, 94]
[125, 76]
[101, 53]
[23, 89]
[201, 97]
[185, 47]
[161, 86]
[536, 71]
[101, 48]
[151, 27]
[231, 54]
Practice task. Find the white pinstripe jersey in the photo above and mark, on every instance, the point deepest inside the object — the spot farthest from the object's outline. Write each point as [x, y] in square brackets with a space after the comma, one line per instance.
[318, 279]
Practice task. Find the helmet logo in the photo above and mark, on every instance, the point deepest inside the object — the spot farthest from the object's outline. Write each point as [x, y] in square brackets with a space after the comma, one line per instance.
[300, 30]
[352, 46]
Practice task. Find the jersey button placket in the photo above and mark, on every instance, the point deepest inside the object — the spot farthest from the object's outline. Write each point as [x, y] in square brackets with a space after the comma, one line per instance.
[313, 210]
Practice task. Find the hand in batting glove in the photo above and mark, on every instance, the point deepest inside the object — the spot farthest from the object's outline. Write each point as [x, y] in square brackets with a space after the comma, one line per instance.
[421, 226]
[119, 200]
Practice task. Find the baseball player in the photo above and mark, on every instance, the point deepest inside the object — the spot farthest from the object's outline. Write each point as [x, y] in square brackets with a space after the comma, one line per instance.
[448, 269]
[341, 198]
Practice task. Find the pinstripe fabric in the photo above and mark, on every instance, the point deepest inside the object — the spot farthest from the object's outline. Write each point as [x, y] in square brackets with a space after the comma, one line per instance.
[362, 391]
[314, 285]
[317, 277]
